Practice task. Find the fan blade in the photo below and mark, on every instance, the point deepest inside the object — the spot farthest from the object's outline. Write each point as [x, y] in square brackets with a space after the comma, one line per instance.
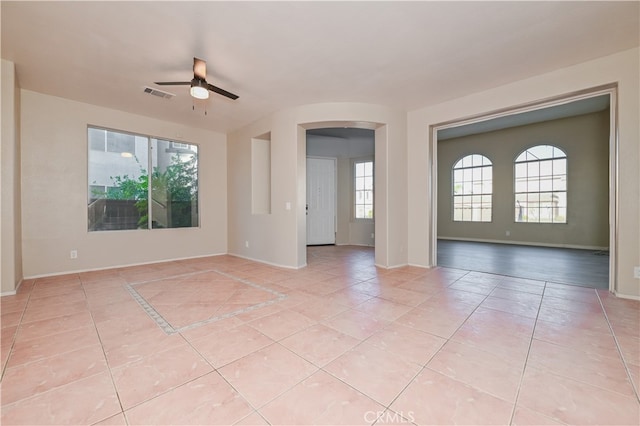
[173, 83]
[222, 92]
[200, 68]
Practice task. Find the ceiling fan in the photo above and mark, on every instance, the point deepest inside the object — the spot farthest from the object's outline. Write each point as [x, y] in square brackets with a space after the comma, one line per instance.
[199, 86]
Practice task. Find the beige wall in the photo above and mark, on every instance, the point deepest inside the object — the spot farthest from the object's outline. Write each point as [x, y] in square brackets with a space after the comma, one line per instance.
[54, 202]
[621, 68]
[280, 238]
[585, 140]
[10, 226]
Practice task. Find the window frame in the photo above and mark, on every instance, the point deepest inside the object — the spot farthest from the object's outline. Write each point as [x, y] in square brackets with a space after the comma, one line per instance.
[354, 204]
[482, 182]
[552, 158]
[149, 169]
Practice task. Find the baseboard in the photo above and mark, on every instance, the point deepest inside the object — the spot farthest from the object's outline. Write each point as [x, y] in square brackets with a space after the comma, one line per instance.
[415, 265]
[626, 296]
[106, 268]
[277, 265]
[12, 292]
[525, 243]
[392, 267]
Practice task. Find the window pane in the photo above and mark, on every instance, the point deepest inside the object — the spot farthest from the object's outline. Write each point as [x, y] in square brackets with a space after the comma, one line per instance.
[359, 183]
[97, 139]
[174, 185]
[486, 214]
[560, 167]
[487, 173]
[359, 169]
[533, 184]
[560, 198]
[541, 152]
[360, 212]
[558, 153]
[521, 170]
[368, 168]
[546, 168]
[368, 182]
[457, 176]
[120, 142]
[546, 183]
[122, 204]
[561, 215]
[467, 187]
[560, 183]
[457, 214]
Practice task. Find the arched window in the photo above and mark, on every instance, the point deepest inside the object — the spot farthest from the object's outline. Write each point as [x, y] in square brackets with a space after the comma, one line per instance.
[472, 189]
[541, 185]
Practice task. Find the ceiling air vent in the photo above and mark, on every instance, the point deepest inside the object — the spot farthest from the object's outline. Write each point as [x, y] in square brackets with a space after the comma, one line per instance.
[159, 93]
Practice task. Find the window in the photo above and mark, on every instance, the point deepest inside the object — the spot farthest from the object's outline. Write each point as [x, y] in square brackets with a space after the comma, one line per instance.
[363, 175]
[541, 185]
[120, 187]
[472, 189]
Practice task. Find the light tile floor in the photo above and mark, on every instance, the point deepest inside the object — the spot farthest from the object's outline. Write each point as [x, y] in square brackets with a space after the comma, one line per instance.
[338, 342]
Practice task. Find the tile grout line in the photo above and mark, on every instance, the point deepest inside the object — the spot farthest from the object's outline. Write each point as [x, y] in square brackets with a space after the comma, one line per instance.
[169, 329]
[106, 360]
[619, 349]
[526, 359]
[13, 340]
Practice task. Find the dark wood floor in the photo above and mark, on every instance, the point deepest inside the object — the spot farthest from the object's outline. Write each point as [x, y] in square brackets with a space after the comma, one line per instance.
[588, 268]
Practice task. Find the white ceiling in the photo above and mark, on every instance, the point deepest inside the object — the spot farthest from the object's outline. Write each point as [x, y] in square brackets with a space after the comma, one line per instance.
[276, 55]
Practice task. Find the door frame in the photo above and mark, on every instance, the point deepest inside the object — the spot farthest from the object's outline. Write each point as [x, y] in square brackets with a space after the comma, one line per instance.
[608, 89]
[335, 195]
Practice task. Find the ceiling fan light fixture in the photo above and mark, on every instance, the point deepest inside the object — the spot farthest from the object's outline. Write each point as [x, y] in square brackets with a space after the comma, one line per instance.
[199, 89]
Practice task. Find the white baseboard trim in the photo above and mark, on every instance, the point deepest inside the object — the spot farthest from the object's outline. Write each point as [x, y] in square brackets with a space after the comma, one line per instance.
[415, 265]
[9, 293]
[106, 268]
[277, 265]
[392, 266]
[525, 243]
[626, 296]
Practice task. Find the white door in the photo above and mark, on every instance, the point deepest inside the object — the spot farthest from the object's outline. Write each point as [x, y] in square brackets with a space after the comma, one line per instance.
[321, 201]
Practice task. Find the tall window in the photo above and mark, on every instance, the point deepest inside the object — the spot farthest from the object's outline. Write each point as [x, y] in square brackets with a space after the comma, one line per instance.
[120, 187]
[472, 189]
[363, 174]
[541, 185]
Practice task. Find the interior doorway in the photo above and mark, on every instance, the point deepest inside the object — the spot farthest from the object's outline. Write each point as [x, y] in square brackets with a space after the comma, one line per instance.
[566, 106]
[342, 148]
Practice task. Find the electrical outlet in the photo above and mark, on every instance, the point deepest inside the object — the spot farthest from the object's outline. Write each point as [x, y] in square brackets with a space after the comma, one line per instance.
[372, 235]
[246, 244]
[508, 233]
[73, 254]
[636, 272]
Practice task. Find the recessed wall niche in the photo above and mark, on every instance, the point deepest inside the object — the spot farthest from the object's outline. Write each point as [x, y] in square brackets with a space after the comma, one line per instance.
[261, 174]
